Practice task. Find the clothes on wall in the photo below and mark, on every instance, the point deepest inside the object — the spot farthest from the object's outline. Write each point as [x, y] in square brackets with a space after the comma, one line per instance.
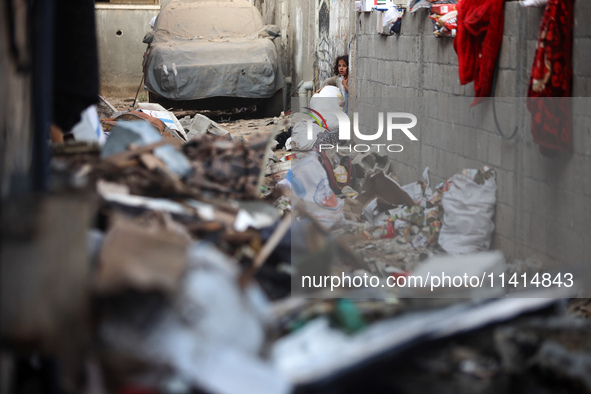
[478, 41]
[550, 84]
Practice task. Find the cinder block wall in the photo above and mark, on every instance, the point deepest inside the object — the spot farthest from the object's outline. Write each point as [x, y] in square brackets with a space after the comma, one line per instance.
[543, 205]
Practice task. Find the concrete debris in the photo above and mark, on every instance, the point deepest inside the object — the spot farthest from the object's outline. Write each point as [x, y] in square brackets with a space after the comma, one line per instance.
[201, 124]
[223, 166]
[170, 135]
[198, 244]
[105, 109]
[126, 134]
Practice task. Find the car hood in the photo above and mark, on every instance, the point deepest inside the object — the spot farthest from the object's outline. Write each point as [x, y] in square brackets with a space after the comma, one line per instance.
[202, 68]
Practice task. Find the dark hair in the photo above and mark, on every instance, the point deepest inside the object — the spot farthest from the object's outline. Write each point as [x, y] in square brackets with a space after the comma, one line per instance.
[344, 58]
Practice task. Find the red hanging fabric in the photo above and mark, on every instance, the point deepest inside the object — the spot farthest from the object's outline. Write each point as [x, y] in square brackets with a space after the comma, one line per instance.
[478, 41]
[550, 82]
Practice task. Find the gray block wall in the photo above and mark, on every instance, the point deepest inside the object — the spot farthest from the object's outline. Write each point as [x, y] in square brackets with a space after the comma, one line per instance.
[120, 31]
[543, 205]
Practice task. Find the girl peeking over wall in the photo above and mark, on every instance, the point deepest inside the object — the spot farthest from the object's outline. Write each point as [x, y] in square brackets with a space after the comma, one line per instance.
[340, 80]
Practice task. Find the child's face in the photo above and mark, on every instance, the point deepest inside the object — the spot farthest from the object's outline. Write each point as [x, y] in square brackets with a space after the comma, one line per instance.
[342, 68]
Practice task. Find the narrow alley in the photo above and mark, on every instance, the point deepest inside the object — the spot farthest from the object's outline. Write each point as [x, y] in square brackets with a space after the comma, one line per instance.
[284, 196]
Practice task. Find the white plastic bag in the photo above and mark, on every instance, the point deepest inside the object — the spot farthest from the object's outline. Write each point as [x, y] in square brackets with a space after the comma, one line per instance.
[326, 102]
[311, 187]
[390, 17]
[469, 209]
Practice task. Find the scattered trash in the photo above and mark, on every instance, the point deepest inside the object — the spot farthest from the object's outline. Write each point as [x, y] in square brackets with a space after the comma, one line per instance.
[195, 252]
[167, 117]
[136, 134]
[320, 353]
[559, 346]
[371, 163]
[384, 187]
[173, 136]
[148, 253]
[89, 127]
[445, 19]
[279, 171]
[311, 187]
[235, 168]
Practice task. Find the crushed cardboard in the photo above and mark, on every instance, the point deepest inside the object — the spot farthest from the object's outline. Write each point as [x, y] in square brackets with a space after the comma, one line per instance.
[145, 254]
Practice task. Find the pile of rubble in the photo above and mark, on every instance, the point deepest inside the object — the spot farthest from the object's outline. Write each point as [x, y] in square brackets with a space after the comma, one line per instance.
[193, 255]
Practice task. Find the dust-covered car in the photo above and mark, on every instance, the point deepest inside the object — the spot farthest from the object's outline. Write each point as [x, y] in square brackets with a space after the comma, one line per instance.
[203, 49]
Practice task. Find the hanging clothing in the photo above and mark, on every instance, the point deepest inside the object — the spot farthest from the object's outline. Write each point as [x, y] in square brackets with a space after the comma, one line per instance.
[550, 82]
[344, 93]
[478, 41]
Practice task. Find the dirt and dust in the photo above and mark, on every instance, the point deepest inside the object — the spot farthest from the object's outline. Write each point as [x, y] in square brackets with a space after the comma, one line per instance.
[245, 127]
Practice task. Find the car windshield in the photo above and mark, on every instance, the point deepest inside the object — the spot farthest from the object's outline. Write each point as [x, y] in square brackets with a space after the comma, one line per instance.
[208, 19]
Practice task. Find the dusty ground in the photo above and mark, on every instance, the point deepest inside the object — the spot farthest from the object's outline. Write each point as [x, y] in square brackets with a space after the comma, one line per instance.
[249, 127]
[240, 127]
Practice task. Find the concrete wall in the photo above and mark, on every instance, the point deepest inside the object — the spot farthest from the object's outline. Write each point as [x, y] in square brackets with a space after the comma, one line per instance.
[317, 33]
[120, 30]
[333, 33]
[543, 205]
[301, 40]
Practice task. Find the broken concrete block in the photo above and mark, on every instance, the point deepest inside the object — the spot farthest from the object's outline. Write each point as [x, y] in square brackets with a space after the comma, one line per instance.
[203, 125]
[105, 109]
